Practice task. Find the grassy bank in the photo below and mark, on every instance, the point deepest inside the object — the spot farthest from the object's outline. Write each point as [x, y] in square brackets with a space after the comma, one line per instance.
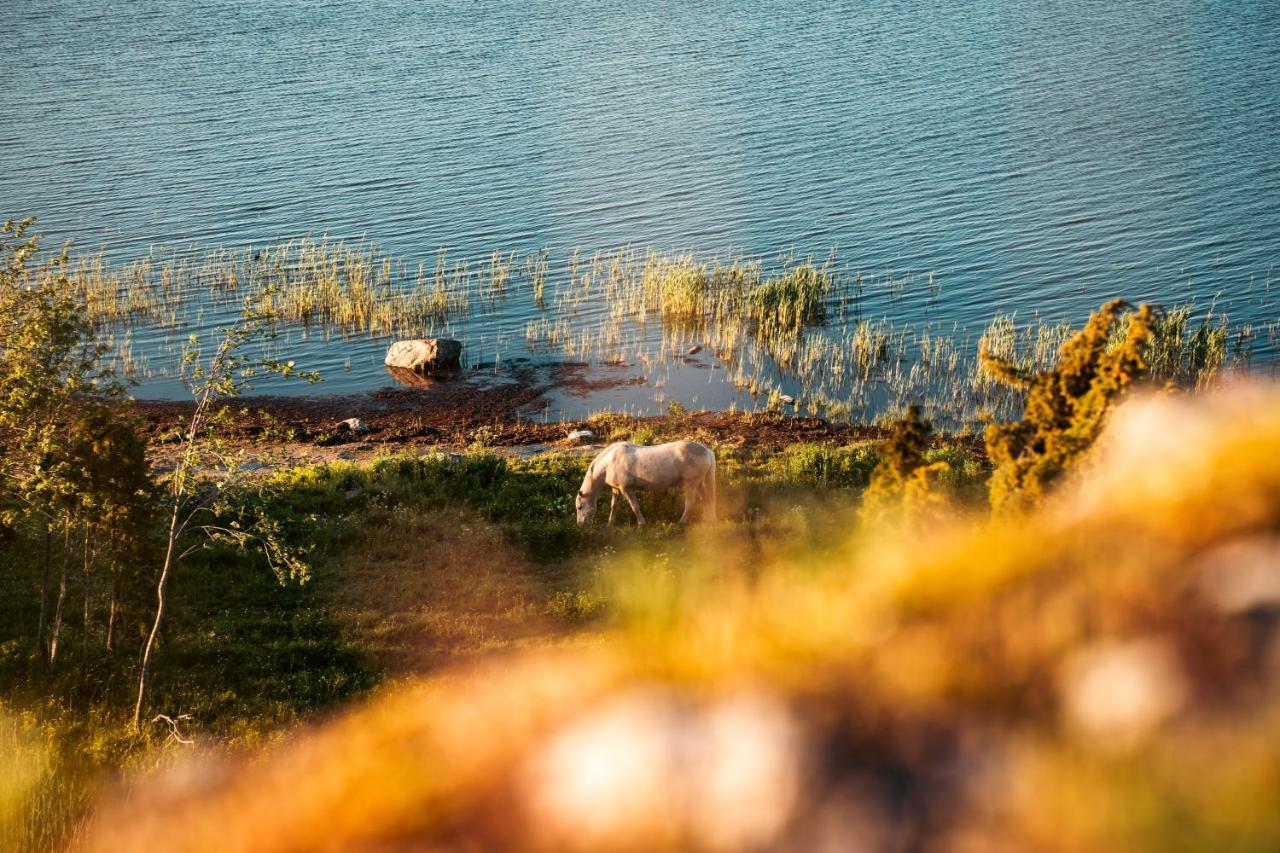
[419, 562]
[1095, 674]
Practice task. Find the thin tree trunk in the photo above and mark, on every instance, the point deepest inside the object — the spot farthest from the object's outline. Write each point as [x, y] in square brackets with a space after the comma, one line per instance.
[42, 630]
[180, 473]
[111, 608]
[145, 669]
[84, 638]
[62, 594]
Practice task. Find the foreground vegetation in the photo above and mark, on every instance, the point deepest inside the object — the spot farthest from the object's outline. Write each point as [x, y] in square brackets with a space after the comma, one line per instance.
[416, 562]
[1096, 675]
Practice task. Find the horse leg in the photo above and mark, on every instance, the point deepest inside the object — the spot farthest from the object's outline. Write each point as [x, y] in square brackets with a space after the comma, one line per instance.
[635, 507]
[706, 490]
[689, 489]
[613, 505]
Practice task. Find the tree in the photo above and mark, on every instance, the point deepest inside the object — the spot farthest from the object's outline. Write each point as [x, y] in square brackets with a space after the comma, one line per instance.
[197, 504]
[76, 466]
[51, 369]
[115, 500]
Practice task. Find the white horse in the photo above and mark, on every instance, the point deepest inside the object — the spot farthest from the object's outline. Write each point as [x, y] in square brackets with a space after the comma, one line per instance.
[628, 468]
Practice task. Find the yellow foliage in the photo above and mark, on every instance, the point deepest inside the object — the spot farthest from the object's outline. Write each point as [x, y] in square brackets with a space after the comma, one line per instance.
[903, 485]
[1066, 406]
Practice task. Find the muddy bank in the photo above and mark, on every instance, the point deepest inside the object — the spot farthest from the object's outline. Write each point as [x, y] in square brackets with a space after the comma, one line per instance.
[488, 417]
[504, 411]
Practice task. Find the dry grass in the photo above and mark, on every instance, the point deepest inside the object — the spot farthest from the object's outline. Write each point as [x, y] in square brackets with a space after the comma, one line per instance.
[309, 282]
[446, 585]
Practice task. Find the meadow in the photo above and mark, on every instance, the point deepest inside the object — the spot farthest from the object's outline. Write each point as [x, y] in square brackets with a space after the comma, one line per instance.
[1043, 681]
[420, 562]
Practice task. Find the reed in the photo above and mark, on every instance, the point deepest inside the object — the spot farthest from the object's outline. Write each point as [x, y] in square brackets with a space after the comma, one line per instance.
[782, 328]
[353, 288]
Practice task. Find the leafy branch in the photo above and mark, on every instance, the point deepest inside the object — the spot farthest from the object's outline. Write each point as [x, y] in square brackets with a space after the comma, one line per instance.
[227, 373]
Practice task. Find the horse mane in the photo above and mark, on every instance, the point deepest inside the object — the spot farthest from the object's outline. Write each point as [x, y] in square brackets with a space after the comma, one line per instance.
[591, 467]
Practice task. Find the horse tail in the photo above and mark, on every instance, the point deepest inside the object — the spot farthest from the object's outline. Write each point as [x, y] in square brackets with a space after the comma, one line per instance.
[709, 492]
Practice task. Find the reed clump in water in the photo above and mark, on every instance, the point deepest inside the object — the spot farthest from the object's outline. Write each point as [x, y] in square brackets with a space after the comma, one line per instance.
[733, 297]
[354, 288]
[1190, 352]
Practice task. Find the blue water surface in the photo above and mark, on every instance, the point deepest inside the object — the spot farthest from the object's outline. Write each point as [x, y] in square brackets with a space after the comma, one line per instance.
[1039, 156]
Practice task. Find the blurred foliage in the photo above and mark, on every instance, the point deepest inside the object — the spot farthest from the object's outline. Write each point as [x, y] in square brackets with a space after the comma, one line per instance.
[1099, 673]
[903, 482]
[416, 561]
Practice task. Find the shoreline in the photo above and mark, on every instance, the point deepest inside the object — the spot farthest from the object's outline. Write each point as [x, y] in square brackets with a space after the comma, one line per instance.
[493, 419]
[477, 410]
[498, 410]
[274, 431]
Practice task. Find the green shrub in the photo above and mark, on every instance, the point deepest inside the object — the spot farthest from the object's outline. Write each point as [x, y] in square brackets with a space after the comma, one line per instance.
[823, 465]
[904, 480]
[643, 435]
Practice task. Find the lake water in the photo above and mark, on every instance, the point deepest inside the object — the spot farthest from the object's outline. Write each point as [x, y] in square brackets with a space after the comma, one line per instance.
[1034, 156]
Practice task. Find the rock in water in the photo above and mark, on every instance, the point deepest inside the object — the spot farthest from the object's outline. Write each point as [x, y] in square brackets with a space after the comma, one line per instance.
[425, 355]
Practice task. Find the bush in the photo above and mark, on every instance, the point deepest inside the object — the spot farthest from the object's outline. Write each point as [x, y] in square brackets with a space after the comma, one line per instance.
[903, 480]
[1066, 407]
[823, 465]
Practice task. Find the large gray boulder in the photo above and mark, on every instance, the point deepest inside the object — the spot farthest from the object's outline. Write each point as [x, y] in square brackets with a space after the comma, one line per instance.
[425, 355]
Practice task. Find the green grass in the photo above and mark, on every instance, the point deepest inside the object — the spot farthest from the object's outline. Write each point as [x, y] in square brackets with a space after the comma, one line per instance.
[894, 652]
[419, 562]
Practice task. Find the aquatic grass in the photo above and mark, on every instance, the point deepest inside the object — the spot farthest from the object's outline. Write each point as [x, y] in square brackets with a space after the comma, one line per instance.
[1185, 350]
[784, 305]
[783, 328]
[354, 288]
[537, 265]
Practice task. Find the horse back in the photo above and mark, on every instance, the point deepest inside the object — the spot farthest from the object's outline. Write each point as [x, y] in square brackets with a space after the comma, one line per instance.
[692, 456]
[656, 467]
[693, 451]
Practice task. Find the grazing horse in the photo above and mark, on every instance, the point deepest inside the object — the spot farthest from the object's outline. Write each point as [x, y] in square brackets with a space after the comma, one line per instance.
[629, 468]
